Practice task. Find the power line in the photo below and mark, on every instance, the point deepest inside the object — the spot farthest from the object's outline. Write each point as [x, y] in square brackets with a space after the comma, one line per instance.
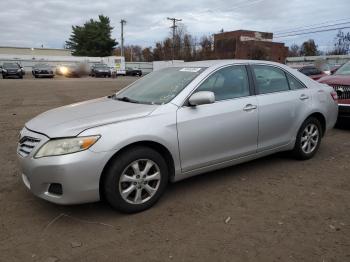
[307, 26]
[174, 20]
[312, 28]
[312, 32]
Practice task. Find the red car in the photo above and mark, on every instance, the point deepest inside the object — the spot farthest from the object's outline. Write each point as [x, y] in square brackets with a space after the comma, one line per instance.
[312, 72]
[340, 81]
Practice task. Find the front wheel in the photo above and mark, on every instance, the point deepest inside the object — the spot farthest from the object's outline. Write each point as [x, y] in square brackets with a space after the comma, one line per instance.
[135, 180]
[308, 139]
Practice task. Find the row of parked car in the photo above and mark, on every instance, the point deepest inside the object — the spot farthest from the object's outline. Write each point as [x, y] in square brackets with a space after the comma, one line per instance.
[15, 70]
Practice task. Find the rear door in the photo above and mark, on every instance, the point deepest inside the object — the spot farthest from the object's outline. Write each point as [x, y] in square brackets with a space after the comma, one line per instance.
[213, 133]
[281, 104]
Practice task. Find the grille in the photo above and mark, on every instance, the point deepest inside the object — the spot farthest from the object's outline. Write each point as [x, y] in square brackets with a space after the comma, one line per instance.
[26, 145]
[345, 89]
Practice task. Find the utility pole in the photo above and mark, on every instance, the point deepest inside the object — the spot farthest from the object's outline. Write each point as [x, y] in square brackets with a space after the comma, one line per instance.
[122, 22]
[174, 20]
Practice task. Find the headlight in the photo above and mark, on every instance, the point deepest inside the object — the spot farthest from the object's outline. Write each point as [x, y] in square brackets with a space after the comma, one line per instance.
[4, 70]
[65, 146]
[63, 70]
[19, 70]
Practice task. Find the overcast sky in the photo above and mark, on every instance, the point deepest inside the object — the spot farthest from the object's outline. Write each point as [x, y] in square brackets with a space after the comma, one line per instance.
[32, 23]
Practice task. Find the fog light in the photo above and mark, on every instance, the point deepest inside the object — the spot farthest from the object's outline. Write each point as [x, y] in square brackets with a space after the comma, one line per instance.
[55, 188]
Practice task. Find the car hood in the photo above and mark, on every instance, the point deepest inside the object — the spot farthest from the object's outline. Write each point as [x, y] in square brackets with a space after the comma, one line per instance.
[72, 119]
[335, 80]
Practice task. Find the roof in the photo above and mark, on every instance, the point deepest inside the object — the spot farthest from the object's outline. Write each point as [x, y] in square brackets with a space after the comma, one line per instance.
[222, 62]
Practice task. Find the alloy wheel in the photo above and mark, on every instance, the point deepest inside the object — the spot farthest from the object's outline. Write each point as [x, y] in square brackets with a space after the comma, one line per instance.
[139, 181]
[310, 138]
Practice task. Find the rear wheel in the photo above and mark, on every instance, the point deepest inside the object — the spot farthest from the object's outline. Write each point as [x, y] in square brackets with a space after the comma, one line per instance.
[308, 139]
[135, 180]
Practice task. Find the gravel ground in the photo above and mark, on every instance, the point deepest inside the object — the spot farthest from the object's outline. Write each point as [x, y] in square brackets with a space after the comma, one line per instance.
[272, 209]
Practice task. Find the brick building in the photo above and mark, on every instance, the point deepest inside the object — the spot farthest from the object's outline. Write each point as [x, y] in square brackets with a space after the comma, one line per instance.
[243, 44]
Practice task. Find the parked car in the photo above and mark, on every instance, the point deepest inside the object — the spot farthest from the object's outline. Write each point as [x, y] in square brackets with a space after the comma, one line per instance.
[69, 70]
[98, 70]
[42, 70]
[133, 71]
[170, 125]
[11, 70]
[312, 72]
[340, 81]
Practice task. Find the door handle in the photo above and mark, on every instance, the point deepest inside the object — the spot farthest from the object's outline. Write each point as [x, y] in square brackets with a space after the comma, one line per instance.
[303, 97]
[249, 107]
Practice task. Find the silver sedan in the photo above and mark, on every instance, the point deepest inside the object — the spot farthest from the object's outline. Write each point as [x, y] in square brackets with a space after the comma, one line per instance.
[172, 124]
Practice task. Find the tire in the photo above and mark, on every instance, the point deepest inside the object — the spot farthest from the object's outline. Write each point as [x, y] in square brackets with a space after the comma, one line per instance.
[123, 167]
[306, 144]
[3, 77]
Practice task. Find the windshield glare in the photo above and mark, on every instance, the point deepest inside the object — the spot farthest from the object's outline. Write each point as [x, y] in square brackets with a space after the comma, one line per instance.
[161, 86]
[344, 70]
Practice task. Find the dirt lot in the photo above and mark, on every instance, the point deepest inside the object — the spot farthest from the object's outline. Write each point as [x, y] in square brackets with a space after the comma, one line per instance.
[276, 208]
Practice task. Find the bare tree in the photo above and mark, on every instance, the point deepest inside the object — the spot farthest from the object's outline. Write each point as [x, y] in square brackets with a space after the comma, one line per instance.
[342, 44]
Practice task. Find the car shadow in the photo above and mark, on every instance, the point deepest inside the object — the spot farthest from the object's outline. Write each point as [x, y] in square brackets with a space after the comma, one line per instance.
[343, 124]
[234, 174]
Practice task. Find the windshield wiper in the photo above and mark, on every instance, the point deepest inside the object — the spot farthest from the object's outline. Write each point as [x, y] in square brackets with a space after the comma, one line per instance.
[127, 99]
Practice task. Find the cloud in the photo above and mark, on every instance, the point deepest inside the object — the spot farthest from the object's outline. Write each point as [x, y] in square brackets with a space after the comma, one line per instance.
[48, 22]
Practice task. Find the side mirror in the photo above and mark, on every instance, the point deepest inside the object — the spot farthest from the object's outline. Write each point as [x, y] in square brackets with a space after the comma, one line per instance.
[201, 98]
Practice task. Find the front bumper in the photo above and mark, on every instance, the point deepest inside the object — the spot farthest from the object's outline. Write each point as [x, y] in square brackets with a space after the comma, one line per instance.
[11, 74]
[102, 73]
[77, 173]
[344, 111]
[44, 74]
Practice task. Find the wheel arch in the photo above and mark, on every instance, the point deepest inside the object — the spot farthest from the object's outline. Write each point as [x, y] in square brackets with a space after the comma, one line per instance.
[321, 118]
[164, 151]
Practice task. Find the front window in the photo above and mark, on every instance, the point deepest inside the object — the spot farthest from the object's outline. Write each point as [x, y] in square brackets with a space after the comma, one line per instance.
[160, 87]
[344, 70]
[227, 83]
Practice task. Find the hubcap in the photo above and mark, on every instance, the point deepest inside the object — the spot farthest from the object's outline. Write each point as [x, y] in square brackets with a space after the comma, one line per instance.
[139, 181]
[309, 138]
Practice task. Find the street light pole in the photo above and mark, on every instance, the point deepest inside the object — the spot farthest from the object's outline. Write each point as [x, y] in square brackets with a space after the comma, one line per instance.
[122, 22]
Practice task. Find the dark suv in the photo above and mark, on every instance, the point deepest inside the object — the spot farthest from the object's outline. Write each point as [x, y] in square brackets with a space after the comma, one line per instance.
[12, 70]
[100, 70]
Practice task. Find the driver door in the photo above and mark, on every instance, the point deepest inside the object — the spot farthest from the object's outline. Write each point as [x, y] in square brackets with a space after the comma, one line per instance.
[213, 133]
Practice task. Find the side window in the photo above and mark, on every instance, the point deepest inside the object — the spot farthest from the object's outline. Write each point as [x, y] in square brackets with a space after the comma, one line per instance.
[229, 82]
[270, 79]
[293, 83]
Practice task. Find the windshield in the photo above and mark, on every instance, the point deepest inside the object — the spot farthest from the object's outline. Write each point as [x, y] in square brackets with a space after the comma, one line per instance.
[160, 86]
[42, 66]
[100, 66]
[10, 66]
[344, 70]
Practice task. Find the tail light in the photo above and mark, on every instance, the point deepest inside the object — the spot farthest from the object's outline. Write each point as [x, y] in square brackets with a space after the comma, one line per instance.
[334, 96]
